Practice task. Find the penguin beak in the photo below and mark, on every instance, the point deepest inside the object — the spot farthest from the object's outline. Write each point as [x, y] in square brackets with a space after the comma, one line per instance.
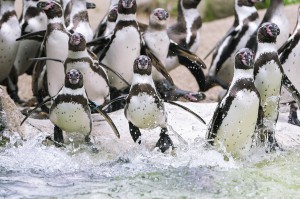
[90, 5]
[73, 76]
[127, 3]
[75, 39]
[161, 15]
[248, 59]
[272, 30]
[44, 5]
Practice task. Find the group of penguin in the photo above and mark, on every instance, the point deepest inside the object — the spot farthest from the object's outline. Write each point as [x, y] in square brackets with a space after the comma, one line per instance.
[84, 71]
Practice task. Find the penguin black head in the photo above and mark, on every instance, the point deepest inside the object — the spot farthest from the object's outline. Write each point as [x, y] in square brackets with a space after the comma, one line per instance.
[51, 8]
[248, 3]
[73, 79]
[158, 18]
[127, 7]
[112, 15]
[77, 42]
[189, 4]
[142, 65]
[244, 59]
[267, 33]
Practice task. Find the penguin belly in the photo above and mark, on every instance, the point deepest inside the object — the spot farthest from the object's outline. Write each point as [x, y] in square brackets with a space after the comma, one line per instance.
[70, 117]
[9, 32]
[268, 84]
[56, 47]
[238, 126]
[122, 52]
[292, 69]
[144, 112]
[95, 85]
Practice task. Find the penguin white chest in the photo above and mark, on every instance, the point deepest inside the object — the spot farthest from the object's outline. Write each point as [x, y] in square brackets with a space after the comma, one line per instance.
[158, 42]
[9, 32]
[122, 52]
[144, 113]
[237, 128]
[56, 47]
[71, 117]
[268, 83]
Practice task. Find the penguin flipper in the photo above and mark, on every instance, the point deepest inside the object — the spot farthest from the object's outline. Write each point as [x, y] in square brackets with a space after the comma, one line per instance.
[178, 50]
[100, 42]
[101, 28]
[37, 36]
[157, 64]
[288, 85]
[38, 106]
[90, 5]
[195, 70]
[106, 117]
[186, 109]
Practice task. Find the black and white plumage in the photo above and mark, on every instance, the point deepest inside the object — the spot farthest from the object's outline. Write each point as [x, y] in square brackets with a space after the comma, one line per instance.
[289, 56]
[245, 24]
[274, 14]
[94, 76]
[144, 109]
[55, 45]
[233, 124]
[158, 42]
[32, 19]
[70, 111]
[78, 20]
[268, 75]
[9, 31]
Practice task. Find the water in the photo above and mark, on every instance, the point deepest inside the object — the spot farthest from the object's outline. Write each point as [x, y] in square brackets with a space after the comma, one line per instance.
[33, 170]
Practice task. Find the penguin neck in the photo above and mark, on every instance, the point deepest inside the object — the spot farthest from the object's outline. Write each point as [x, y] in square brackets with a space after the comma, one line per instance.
[263, 48]
[56, 20]
[154, 27]
[186, 17]
[242, 74]
[142, 79]
[7, 6]
[126, 17]
[73, 89]
[243, 12]
[276, 7]
[77, 54]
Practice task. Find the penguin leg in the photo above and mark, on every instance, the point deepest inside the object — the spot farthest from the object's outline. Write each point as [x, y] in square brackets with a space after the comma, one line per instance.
[134, 132]
[164, 141]
[58, 136]
[272, 143]
[172, 93]
[293, 117]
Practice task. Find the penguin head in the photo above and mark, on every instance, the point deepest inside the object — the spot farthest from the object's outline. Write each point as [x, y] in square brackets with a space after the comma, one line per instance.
[158, 17]
[268, 32]
[127, 7]
[142, 65]
[189, 4]
[77, 42]
[244, 59]
[73, 79]
[51, 8]
[112, 15]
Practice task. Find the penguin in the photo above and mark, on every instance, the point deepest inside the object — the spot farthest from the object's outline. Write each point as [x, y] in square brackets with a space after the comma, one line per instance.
[9, 31]
[275, 14]
[94, 76]
[70, 111]
[78, 20]
[234, 120]
[268, 77]
[32, 19]
[245, 24]
[55, 45]
[144, 109]
[158, 41]
[108, 23]
[289, 56]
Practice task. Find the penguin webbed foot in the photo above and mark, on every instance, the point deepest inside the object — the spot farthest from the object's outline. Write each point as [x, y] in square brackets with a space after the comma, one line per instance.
[90, 144]
[58, 137]
[164, 142]
[293, 117]
[172, 93]
[135, 132]
[272, 144]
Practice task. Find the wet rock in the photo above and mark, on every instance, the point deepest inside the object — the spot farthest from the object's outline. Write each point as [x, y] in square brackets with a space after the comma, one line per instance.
[10, 118]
